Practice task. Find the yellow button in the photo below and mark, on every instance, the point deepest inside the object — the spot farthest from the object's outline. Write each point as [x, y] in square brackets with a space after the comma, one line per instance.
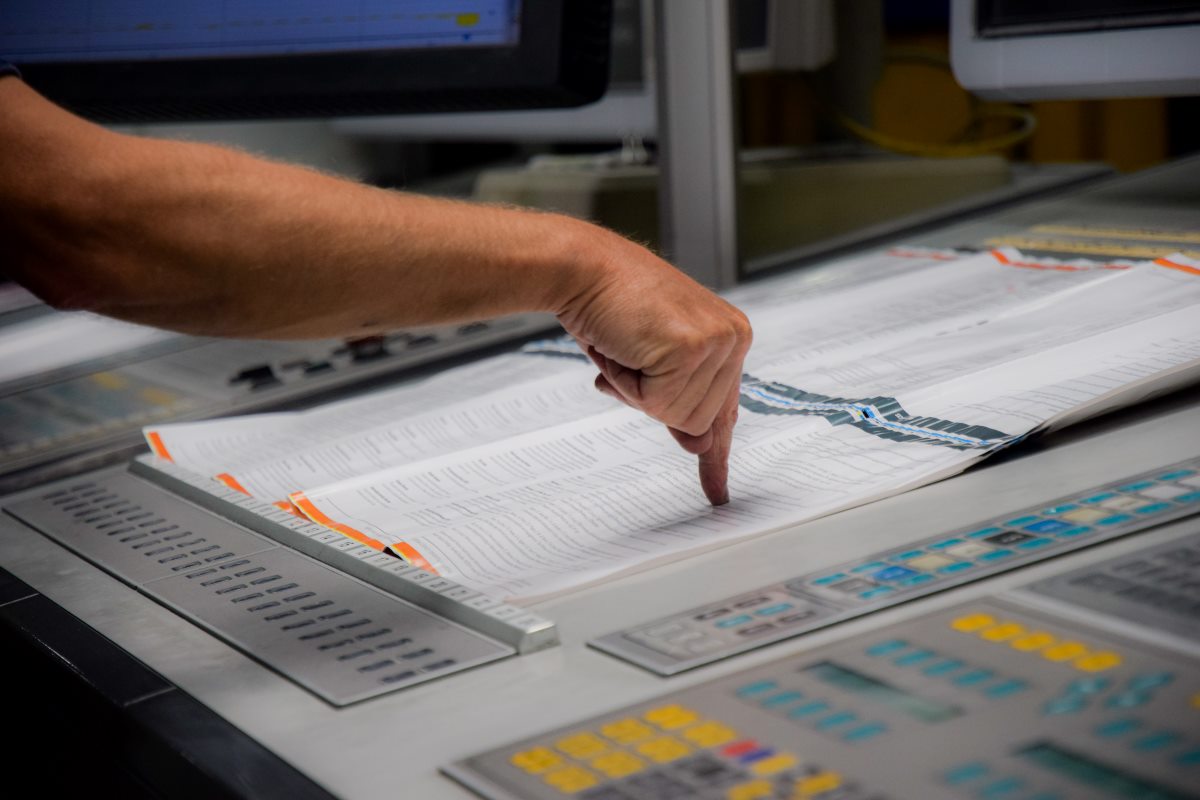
[571, 779]
[1064, 651]
[1195, 701]
[582, 745]
[1032, 641]
[1002, 632]
[816, 784]
[663, 749]
[618, 764]
[750, 791]
[536, 761]
[769, 766]
[671, 717]
[709, 734]
[627, 731]
[1084, 515]
[972, 622]
[1098, 662]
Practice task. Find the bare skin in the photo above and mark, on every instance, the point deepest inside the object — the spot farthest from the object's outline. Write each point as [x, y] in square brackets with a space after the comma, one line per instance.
[211, 241]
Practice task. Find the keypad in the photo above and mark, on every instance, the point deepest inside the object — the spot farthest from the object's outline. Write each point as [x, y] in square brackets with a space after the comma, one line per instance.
[807, 602]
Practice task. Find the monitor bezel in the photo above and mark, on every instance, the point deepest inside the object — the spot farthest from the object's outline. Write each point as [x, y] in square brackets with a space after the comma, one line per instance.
[560, 60]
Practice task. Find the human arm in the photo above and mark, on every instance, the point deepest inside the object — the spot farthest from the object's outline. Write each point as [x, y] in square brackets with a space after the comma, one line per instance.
[212, 241]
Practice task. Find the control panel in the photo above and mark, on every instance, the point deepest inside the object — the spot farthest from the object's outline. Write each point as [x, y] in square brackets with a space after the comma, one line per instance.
[789, 608]
[991, 699]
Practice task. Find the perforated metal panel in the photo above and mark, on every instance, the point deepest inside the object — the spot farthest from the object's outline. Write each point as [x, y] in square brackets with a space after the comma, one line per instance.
[340, 638]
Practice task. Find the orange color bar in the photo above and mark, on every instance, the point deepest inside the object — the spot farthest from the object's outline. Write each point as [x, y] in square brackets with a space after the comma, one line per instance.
[1003, 259]
[410, 554]
[284, 505]
[232, 483]
[1162, 262]
[316, 515]
[156, 444]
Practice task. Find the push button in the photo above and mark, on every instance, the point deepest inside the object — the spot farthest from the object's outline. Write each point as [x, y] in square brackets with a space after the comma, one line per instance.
[1098, 662]
[618, 764]
[536, 761]
[571, 779]
[972, 623]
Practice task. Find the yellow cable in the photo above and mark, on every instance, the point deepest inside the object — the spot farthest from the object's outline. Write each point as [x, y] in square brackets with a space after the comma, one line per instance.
[965, 150]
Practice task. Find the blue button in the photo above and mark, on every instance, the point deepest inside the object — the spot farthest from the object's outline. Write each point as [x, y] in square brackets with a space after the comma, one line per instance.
[733, 622]
[1099, 498]
[1150, 680]
[864, 732]
[756, 755]
[1001, 788]
[1048, 526]
[1070, 704]
[916, 580]
[974, 677]
[869, 567]
[1177, 474]
[959, 567]
[1089, 685]
[1136, 487]
[878, 591]
[1009, 687]
[887, 648]
[834, 720]
[1188, 758]
[1115, 519]
[915, 657]
[837, 576]
[1021, 522]
[907, 554]
[1033, 544]
[944, 543]
[995, 555]
[781, 699]
[1118, 727]
[1061, 509]
[758, 687]
[943, 668]
[979, 534]
[965, 772]
[1077, 531]
[808, 709]
[894, 573]
[778, 608]
[1153, 508]
[1190, 497]
[1156, 741]
[1128, 700]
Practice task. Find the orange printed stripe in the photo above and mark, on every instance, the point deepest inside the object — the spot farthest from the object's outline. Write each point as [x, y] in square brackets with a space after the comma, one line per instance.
[1162, 262]
[316, 515]
[284, 505]
[232, 483]
[410, 554]
[156, 444]
[1003, 259]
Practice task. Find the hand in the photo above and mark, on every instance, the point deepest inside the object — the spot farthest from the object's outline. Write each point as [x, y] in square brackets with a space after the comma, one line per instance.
[666, 346]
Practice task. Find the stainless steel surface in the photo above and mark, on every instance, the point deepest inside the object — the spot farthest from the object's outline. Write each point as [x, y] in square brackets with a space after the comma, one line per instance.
[340, 638]
[697, 138]
[520, 629]
[411, 732]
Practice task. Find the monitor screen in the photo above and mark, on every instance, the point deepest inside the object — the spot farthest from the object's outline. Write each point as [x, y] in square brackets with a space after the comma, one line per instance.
[195, 59]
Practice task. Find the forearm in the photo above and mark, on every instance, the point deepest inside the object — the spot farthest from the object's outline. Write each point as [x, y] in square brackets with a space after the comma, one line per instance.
[209, 240]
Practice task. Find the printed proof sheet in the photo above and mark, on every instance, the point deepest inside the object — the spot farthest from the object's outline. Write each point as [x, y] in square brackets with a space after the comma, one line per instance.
[868, 377]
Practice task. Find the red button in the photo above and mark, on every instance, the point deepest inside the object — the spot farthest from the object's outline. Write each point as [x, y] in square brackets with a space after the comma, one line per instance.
[740, 748]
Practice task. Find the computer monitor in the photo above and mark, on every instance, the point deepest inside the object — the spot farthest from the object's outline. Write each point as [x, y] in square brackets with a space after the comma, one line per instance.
[1069, 49]
[147, 60]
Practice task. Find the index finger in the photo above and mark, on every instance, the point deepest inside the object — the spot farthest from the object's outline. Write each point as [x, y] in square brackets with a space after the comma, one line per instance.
[714, 462]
